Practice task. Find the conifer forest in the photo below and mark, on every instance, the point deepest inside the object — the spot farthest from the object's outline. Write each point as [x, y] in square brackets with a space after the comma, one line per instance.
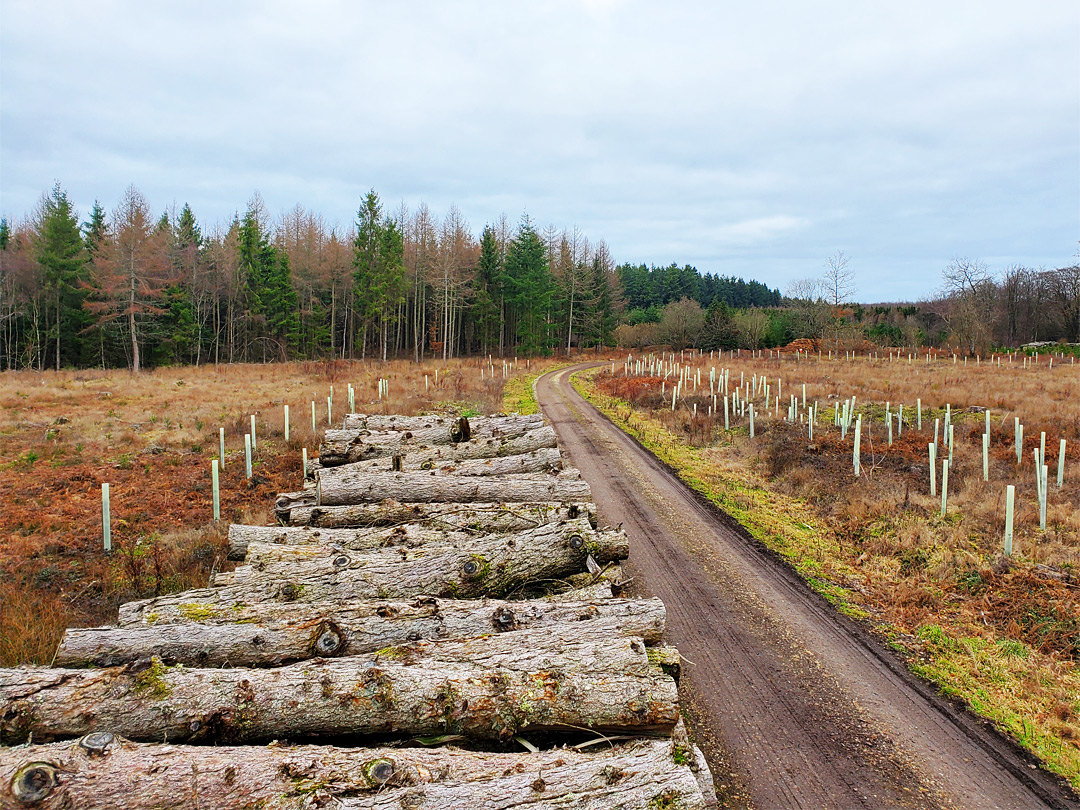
[134, 288]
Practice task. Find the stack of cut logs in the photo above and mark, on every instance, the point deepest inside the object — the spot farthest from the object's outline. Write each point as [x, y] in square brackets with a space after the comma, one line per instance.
[438, 582]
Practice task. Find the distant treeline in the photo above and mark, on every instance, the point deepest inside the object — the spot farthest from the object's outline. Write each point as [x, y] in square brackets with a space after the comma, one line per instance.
[975, 313]
[135, 288]
[650, 289]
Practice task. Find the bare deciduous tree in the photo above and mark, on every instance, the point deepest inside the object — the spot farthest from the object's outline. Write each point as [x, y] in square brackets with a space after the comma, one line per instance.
[971, 293]
[839, 279]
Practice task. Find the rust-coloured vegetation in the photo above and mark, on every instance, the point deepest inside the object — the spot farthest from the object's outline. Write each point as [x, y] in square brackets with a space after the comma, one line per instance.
[1002, 633]
[152, 436]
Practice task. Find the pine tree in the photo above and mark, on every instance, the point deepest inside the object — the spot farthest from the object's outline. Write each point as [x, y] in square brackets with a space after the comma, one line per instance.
[186, 248]
[60, 253]
[601, 317]
[532, 290]
[388, 287]
[489, 282]
[280, 305]
[258, 266]
[366, 262]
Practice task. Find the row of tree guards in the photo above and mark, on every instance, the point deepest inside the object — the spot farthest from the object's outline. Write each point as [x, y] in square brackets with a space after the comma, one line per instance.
[737, 399]
[436, 622]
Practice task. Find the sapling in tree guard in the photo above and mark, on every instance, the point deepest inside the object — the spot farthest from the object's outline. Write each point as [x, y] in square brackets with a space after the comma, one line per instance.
[286, 423]
[1010, 501]
[858, 441]
[254, 446]
[1061, 464]
[221, 446]
[944, 485]
[214, 476]
[247, 455]
[933, 468]
[106, 518]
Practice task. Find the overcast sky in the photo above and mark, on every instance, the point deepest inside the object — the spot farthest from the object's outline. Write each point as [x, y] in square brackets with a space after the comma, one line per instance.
[750, 139]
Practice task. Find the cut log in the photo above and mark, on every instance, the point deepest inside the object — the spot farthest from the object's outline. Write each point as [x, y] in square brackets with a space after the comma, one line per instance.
[343, 450]
[487, 517]
[410, 535]
[287, 501]
[545, 459]
[284, 543]
[106, 772]
[598, 590]
[492, 687]
[488, 565]
[274, 634]
[478, 425]
[494, 569]
[349, 445]
[156, 612]
[340, 485]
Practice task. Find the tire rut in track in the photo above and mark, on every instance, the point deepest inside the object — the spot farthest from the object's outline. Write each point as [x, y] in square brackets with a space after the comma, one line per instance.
[804, 708]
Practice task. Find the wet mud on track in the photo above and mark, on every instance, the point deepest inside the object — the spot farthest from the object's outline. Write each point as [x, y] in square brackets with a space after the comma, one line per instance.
[794, 705]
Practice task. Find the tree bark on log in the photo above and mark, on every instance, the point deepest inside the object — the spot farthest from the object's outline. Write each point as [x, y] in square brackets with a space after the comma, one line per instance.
[602, 589]
[348, 445]
[153, 612]
[339, 485]
[478, 425]
[491, 569]
[488, 565]
[287, 501]
[492, 687]
[274, 634]
[494, 517]
[341, 450]
[545, 459]
[298, 543]
[105, 772]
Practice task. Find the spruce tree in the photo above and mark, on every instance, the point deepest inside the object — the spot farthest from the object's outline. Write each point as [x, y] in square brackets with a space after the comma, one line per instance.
[61, 255]
[490, 277]
[531, 287]
[366, 249]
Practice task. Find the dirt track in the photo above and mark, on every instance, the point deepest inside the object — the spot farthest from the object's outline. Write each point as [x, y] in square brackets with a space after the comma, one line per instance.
[795, 706]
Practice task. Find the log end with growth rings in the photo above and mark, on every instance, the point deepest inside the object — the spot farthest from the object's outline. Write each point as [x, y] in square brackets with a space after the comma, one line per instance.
[33, 783]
